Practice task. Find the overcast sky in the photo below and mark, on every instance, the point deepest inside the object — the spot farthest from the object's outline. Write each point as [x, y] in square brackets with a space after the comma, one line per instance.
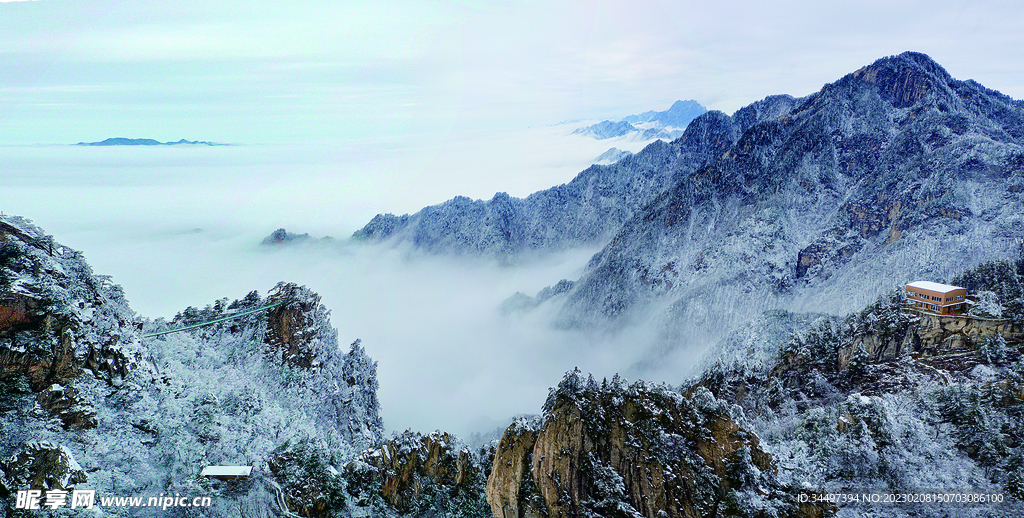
[275, 72]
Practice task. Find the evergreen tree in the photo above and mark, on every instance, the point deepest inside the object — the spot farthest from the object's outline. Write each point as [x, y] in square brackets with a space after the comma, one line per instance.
[993, 350]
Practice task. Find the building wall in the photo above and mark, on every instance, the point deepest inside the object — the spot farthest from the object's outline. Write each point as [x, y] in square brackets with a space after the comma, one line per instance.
[953, 301]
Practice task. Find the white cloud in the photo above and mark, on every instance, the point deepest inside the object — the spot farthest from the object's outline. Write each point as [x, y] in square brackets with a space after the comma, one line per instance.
[447, 356]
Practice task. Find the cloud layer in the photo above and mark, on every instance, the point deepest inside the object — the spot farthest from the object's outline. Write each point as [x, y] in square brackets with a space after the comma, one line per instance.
[180, 226]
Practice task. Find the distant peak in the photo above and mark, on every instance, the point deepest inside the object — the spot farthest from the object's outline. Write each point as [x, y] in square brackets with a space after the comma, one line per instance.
[685, 104]
[122, 141]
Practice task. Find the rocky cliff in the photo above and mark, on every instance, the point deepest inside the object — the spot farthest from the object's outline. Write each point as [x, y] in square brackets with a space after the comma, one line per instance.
[415, 474]
[58, 321]
[608, 449]
[928, 334]
[885, 398]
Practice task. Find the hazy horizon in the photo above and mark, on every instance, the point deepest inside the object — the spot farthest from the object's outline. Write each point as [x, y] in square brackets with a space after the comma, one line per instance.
[81, 70]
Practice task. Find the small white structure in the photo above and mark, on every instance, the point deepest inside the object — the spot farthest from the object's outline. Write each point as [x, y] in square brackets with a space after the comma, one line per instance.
[226, 472]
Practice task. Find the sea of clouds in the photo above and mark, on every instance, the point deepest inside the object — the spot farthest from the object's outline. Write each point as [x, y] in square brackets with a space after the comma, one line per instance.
[181, 226]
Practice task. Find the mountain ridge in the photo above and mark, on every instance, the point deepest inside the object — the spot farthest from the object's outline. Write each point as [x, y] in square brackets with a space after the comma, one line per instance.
[584, 211]
[778, 206]
[822, 207]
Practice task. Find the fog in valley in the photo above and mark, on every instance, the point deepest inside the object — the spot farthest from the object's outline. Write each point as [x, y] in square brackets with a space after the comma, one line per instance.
[181, 226]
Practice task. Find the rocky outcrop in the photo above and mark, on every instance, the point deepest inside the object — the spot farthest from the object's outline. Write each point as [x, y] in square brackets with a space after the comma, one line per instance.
[66, 404]
[511, 490]
[881, 335]
[41, 348]
[58, 320]
[414, 473]
[40, 465]
[928, 334]
[17, 312]
[296, 329]
[924, 334]
[949, 333]
[640, 450]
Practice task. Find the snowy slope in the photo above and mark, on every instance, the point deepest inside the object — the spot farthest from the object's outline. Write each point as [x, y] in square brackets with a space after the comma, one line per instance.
[896, 172]
[138, 415]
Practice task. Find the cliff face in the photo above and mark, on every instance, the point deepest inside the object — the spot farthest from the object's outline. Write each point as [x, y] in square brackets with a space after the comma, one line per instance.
[59, 320]
[511, 490]
[294, 330]
[612, 450]
[886, 332]
[928, 334]
[40, 465]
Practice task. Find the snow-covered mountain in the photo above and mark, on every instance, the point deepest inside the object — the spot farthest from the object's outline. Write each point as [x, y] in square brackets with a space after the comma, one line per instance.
[92, 396]
[648, 125]
[587, 210]
[773, 236]
[894, 172]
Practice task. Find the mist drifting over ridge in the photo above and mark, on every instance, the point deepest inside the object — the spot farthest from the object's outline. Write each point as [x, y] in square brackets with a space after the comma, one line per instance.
[181, 227]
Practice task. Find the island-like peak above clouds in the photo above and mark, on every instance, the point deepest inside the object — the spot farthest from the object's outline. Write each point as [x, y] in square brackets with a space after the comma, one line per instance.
[648, 125]
[121, 141]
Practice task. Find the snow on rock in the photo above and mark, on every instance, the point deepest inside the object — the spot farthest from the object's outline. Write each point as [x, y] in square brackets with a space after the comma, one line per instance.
[618, 449]
[40, 465]
[143, 416]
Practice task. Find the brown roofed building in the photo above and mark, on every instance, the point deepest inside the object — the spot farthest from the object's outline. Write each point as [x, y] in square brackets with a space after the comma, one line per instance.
[937, 298]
